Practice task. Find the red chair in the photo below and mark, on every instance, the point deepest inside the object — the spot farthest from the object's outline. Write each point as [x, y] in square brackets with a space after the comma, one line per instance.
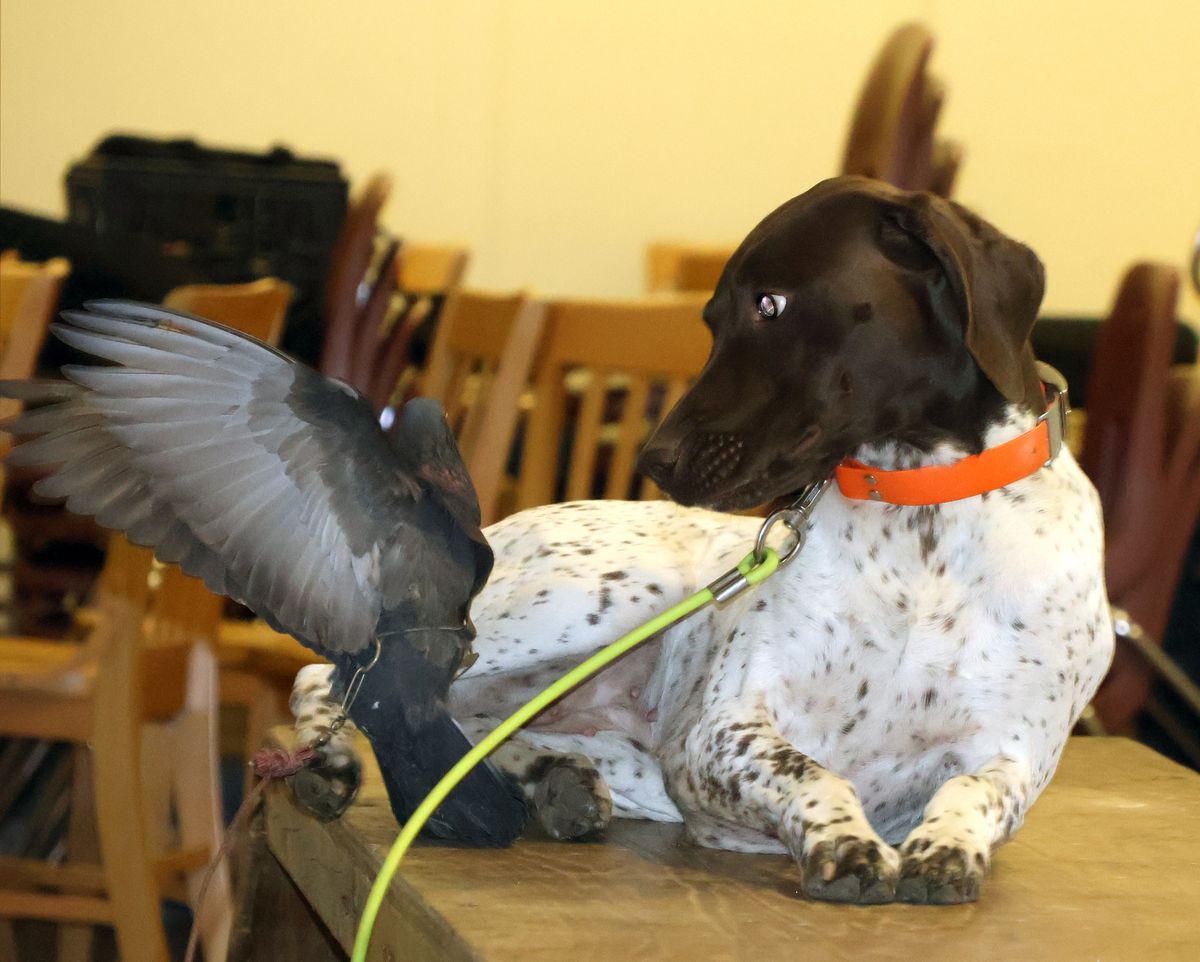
[354, 346]
[1141, 449]
[892, 130]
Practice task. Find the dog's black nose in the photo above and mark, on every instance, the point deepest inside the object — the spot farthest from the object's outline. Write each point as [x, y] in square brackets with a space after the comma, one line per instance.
[657, 461]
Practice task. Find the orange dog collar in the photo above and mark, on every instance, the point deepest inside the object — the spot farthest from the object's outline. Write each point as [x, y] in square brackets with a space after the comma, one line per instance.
[973, 475]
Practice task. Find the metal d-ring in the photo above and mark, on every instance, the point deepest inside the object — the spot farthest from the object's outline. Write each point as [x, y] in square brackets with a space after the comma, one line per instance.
[795, 518]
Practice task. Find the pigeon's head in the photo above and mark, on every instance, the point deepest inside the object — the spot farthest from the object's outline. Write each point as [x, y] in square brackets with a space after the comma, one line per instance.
[423, 438]
[425, 443]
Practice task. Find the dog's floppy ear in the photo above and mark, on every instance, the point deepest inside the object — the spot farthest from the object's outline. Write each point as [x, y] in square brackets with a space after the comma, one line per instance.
[998, 285]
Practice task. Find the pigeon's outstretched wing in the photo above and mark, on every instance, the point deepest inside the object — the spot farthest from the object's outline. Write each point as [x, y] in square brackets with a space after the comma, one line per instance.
[271, 483]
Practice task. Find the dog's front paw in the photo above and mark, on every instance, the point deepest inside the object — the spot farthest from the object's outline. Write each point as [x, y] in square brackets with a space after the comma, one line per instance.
[940, 873]
[858, 868]
[571, 800]
[327, 785]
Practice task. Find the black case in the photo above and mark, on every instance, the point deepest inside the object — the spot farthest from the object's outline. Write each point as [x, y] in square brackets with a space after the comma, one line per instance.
[232, 216]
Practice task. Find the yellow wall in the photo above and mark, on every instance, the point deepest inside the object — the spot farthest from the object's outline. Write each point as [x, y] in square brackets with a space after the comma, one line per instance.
[557, 138]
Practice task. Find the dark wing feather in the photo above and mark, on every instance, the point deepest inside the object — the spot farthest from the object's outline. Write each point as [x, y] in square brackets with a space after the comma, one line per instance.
[273, 484]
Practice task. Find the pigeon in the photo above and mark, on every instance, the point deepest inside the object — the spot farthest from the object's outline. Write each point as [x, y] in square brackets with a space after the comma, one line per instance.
[278, 487]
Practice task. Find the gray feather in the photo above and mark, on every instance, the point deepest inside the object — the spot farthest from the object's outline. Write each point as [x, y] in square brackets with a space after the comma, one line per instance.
[259, 476]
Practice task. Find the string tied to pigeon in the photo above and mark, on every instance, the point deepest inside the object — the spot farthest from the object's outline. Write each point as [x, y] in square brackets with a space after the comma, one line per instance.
[269, 764]
[274, 762]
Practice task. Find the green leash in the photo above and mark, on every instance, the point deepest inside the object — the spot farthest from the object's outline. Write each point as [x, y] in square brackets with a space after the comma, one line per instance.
[760, 564]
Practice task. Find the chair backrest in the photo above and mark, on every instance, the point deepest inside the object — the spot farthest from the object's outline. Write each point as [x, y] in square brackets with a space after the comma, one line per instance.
[28, 296]
[606, 373]
[169, 612]
[892, 129]
[258, 308]
[681, 266]
[479, 366]
[1142, 451]
[154, 734]
[348, 266]
[389, 360]
[1125, 434]
[431, 268]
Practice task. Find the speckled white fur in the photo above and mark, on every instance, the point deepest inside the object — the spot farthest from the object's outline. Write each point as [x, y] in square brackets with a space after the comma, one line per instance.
[911, 678]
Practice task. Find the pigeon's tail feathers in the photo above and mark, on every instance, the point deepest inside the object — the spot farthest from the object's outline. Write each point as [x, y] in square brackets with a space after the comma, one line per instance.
[485, 810]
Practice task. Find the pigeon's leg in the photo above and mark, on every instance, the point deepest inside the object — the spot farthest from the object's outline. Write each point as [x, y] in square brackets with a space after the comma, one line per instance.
[329, 783]
[578, 781]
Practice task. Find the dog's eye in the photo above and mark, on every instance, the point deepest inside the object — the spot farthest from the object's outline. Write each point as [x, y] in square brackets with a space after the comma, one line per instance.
[771, 305]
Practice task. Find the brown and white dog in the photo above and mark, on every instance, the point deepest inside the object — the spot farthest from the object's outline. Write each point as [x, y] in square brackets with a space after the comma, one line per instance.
[911, 678]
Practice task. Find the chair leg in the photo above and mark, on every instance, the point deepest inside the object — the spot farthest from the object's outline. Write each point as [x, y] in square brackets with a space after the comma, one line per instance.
[197, 801]
[120, 816]
[262, 704]
[8, 941]
[75, 940]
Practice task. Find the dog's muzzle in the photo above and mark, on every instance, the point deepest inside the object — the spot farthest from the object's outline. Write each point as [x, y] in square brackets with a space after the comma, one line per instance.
[692, 471]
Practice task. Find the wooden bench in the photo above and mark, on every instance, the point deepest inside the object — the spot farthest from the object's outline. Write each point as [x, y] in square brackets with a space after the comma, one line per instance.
[1106, 867]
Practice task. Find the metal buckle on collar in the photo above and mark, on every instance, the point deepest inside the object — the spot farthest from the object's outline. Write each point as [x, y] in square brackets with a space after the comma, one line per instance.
[1057, 410]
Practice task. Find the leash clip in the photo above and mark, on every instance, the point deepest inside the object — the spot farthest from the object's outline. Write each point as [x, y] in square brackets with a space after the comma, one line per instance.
[795, 518]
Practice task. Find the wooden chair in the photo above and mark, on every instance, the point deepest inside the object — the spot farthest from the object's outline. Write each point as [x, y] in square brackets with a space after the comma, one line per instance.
[1141, 449]
[426, 274]
[258, 308]
[479, 368]
[431, 268]
[606, 372]
[892, 129]
[28, 296]
[678, 266]
[141, 692]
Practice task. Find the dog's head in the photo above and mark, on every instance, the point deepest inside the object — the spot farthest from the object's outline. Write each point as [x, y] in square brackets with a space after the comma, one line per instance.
[856, 313]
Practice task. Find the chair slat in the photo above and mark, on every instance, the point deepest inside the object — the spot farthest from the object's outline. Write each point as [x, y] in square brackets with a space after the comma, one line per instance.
[478, 390]
[630, 435]
[625, 341]
[587, 437]
[676, 388]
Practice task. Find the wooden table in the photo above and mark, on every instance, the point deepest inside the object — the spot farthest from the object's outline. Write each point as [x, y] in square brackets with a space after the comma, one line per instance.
[1106, 867]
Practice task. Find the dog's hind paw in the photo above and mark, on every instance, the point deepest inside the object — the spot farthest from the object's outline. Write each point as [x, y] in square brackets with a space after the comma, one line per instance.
[328, 784]
[850, 868]
[571, 800]
[939, 874]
